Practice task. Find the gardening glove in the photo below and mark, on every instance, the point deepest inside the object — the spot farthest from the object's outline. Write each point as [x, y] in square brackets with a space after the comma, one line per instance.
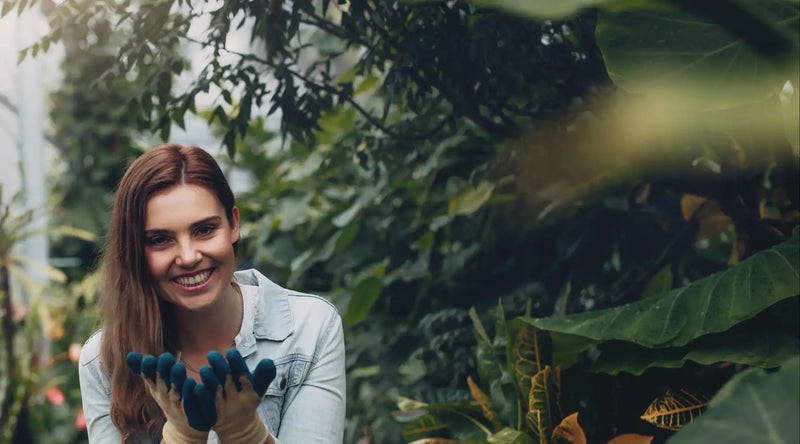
[237, 395]
[188, 408]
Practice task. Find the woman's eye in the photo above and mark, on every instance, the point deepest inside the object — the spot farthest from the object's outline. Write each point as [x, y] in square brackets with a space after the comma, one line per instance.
[157, 241]
[205, 230]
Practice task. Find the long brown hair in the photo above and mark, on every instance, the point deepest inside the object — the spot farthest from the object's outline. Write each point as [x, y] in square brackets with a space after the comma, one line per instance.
[134, 318]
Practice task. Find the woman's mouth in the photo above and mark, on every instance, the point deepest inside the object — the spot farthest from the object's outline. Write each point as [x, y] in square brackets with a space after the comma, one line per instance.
[194, 281]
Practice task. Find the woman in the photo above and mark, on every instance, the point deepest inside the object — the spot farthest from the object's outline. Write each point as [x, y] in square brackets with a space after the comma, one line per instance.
[170, 286]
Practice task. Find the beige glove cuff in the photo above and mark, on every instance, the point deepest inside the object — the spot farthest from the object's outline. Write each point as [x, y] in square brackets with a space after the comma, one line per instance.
[173, 435]
[254, 432]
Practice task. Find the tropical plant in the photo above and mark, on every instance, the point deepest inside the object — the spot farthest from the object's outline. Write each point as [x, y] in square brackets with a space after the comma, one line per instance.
[707, 321]
[32, 328]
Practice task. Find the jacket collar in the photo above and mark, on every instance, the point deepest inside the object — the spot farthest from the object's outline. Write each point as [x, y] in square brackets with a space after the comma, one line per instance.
[272, 317]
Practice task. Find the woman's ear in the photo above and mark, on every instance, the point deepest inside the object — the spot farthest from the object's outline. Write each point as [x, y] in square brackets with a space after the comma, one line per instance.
[235, 232]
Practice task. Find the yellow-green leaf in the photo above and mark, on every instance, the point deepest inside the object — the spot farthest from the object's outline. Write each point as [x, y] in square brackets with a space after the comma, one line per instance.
[485, 403]
[542, 402]
[469, 199]
[532, 353]
[661, 282]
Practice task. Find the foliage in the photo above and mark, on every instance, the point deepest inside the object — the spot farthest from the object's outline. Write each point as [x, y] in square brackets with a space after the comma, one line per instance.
[389, 183]
[432, 77]
[33, 408]
[516, 378]
[754, 406]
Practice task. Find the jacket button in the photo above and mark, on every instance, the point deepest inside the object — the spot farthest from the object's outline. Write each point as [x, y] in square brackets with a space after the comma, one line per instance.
[283, 383]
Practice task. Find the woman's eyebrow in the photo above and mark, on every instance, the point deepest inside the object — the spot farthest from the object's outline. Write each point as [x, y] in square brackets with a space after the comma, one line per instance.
[207, 220]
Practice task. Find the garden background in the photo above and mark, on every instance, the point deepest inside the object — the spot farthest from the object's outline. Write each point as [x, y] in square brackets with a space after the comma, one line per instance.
[542, 222]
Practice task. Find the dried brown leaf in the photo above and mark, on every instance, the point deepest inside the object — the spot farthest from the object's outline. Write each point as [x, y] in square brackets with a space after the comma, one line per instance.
[631, 438]
[569, 431]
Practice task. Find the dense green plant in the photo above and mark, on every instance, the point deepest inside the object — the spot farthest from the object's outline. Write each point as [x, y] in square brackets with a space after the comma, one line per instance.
[519, 397]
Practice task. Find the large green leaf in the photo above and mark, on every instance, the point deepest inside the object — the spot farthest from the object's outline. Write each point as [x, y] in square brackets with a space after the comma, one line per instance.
[657, 51]
[709, 305]
[753, 407]
[747, 347]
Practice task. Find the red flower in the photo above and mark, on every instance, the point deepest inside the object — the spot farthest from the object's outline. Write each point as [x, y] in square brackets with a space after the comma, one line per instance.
[80, 421]
[54, 396]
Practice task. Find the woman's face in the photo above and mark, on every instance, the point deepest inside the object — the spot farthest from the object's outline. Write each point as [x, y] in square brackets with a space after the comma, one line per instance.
[189, 246]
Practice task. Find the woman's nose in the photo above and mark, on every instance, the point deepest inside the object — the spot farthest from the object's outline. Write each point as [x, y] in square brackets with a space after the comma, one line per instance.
[188, 255]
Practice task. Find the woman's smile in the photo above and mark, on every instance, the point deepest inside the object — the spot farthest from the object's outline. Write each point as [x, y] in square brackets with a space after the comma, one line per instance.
[194, 282]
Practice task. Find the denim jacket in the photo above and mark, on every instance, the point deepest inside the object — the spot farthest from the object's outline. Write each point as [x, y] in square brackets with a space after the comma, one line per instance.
[302, 334]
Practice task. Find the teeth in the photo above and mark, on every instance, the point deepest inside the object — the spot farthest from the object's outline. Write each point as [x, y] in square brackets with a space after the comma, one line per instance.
[194, 280]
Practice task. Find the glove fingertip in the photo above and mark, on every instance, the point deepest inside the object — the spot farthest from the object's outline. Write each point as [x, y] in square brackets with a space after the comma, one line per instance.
[210, 380]
[134, 361]
[164, 366]
[219, 364]
[149, 365]
[263, 375]
[178, 376]
[233, 354]
[237, 365]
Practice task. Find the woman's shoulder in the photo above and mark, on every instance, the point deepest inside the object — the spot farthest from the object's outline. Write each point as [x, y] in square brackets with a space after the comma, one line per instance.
[91, 349]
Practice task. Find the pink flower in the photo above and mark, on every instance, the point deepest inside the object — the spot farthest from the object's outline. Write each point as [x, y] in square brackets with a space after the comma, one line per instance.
[80, 421]
[54, 396]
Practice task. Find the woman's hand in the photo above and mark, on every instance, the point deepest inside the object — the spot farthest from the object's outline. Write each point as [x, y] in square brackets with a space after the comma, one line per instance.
[237, 394]
[189, 408]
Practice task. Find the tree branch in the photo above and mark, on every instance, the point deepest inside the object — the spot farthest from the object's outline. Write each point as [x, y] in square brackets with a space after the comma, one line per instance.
[333, 90]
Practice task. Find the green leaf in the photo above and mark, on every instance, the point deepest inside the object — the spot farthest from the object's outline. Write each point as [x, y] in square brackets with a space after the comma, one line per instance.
[502, 390]
[660, 283]
[709, 305]
[510, 436]
[753, 407]
[469, 199]
[488, 365]
[364, 297]
[408, 404]
[567, 348]
[422, 427]
[463, 420]
[658, 51]
[749, 347]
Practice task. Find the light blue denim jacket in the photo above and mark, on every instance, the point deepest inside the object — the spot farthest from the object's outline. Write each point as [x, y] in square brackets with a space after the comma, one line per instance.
[301, 333]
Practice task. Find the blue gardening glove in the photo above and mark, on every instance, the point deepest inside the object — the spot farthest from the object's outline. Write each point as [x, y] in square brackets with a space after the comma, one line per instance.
[237, 394]
[185, 404]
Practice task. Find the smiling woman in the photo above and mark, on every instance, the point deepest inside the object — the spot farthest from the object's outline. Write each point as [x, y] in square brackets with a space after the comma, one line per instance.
[170, 290]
